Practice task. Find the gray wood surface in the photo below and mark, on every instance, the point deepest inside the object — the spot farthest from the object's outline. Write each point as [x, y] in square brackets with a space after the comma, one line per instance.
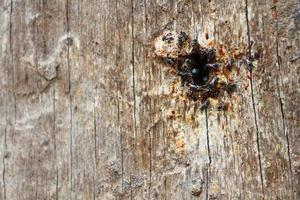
[85, 104]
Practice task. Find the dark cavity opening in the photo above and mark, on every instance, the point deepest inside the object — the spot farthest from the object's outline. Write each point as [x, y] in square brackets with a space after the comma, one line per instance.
[198, 67]
[195, 68]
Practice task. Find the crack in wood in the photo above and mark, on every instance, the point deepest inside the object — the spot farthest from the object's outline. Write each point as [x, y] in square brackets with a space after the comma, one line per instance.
[207, 183]
[12, 58]
[55, 144]
[209, 155]
[118, 105]
[4, 159]
[150, 164]
[133, 67]
[70, 100]
[252, 98]
[95, 146]
[207, 138]
[133, 89]
[155, 121]
[121, 143]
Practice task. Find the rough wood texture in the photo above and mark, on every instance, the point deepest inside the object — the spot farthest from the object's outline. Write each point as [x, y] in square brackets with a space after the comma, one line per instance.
[85, 107]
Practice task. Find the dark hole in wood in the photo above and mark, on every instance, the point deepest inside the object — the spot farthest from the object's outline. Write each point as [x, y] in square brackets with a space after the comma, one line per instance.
[196, 71]
[193, 68]
[69, 41]
[198, 68]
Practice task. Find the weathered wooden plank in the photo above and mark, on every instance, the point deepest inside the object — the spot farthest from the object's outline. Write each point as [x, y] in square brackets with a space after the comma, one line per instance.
[91, 113]
[143, 105]
[169, 171]
[275, 153]
[234, 171]
[157, 133]
[53, 46]
[133, 181]
[51, 43]
[22, 167]
[114, 105]
[286, 19]
[82, 71]
[32, 170]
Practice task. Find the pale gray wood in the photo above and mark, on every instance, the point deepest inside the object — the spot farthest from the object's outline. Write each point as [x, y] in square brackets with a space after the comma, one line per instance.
[85, 104]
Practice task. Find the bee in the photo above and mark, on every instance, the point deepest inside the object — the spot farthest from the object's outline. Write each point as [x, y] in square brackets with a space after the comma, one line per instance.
[213, 66]
[195, 42]
[248, 63]
[231, 88]
[170, 60]
[205, 105]
[213, 83]
[185, 77]
[182, 37]
[211, 55]
[168, 38]
[229, 64]
[199, 76]
[195, 45]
